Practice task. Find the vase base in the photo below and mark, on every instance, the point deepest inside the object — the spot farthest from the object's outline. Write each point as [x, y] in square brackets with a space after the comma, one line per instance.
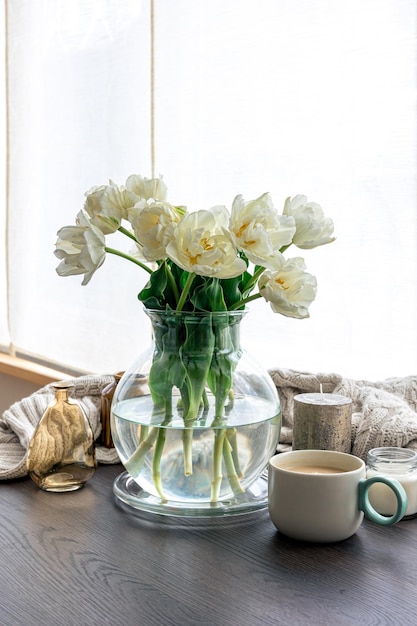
[141, 503]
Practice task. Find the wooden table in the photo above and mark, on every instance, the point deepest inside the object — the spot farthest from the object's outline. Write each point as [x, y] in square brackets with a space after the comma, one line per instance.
[78, 558]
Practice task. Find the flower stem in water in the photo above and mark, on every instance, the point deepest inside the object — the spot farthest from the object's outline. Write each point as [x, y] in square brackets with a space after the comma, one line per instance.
[219, 436]
[156, 462]
[231, 435]
[187, 444]
[159, 448]
[135, 462]
[232, 476]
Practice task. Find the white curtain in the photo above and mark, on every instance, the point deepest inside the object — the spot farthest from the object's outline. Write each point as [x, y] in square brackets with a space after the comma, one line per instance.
[286, 96]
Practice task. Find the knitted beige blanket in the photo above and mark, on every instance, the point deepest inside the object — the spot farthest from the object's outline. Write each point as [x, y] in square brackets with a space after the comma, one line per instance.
[384, 413]
[18, 423]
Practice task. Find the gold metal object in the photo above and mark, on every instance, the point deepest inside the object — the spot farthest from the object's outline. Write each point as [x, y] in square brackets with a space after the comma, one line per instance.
[61, 455]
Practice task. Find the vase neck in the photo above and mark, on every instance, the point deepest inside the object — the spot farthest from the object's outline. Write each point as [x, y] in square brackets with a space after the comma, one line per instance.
[196, 334]
[62, 390]
[229, 317]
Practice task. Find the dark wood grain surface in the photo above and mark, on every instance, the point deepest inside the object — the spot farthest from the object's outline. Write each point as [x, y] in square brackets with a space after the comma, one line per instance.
[78, 558]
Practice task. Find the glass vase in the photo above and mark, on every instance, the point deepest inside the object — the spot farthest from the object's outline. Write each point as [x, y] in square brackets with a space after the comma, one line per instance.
[195, 420]
[61, 455]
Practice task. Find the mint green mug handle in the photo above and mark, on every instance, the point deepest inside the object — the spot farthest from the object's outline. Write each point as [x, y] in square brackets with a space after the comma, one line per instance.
[369, 510]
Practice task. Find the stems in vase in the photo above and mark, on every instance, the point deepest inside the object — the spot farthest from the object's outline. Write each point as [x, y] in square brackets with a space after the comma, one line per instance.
[231, 435]
[232, 475]
[187, 444]
[156, 462]
[219, 436]
[135, 461]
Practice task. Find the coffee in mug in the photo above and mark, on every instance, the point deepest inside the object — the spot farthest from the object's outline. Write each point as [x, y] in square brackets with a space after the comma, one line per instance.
[322, 495]
[314, 469]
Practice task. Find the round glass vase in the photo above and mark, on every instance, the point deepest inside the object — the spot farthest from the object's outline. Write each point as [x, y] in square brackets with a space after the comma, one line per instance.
[195, 420]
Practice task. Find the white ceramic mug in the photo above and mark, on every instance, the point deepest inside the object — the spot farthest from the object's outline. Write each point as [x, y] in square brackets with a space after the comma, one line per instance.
[321, 495]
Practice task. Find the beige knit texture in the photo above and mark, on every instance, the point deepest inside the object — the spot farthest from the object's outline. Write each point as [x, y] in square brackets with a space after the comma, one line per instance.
[384, 413]
[18, 423]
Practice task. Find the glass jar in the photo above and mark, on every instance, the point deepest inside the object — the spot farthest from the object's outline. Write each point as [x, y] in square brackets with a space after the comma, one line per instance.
[195, 419]
[399, 463]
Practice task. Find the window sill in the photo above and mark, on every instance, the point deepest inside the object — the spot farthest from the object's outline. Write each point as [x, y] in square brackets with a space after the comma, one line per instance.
[29, 371]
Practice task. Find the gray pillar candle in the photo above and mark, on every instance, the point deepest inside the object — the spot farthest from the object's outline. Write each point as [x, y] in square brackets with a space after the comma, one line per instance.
[322, 421]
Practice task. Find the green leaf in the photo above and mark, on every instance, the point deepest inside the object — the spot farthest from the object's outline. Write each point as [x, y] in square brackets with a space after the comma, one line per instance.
[196, 355]
[231, 290]
[225, 358]
[167, 369]
[158, 292]
[208, 296]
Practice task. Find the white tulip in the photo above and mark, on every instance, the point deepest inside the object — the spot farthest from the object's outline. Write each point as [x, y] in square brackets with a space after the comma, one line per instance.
[290, 290]
[201, 244]
[147, 188]
[312, 227]
[136, 252]
[258, 229]
[151, 224]
[81, 248]
[107, 205]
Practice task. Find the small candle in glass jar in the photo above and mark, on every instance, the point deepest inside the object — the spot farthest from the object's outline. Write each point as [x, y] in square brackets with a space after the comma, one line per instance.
[399, 463]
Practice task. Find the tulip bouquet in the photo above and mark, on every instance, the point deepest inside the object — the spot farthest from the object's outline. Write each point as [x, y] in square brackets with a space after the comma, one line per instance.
[204, 262]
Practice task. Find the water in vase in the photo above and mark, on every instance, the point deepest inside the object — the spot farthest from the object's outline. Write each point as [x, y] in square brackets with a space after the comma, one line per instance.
[208, 461]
